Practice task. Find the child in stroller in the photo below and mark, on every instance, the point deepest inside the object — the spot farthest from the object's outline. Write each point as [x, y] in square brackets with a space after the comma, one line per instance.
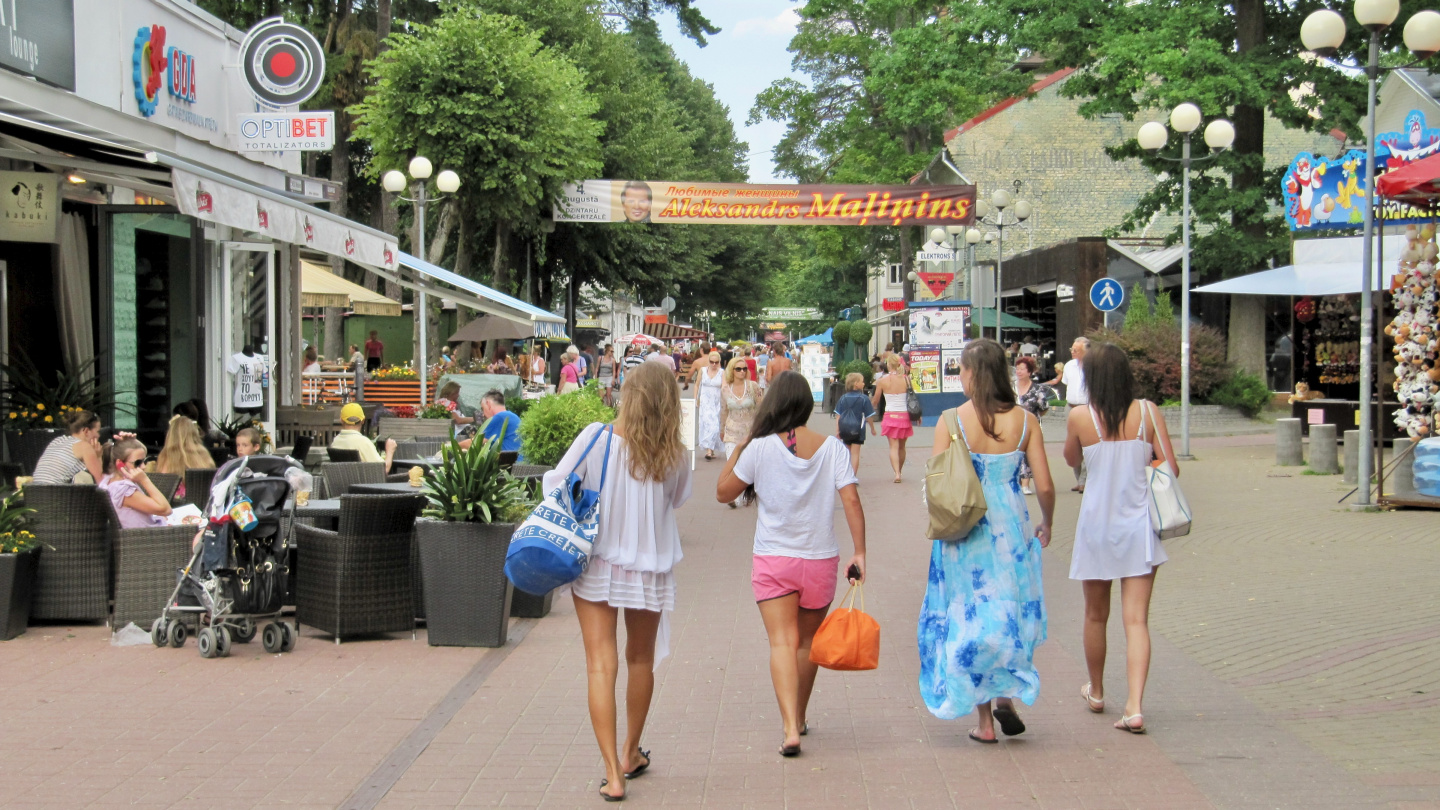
[237, 572]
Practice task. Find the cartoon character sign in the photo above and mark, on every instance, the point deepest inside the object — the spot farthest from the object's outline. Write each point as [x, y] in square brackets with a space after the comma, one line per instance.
[1333, 192]
[1415, 142]
[1301, 182]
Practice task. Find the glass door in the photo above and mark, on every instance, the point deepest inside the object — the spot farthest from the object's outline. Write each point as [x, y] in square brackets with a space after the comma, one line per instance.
[246, 336]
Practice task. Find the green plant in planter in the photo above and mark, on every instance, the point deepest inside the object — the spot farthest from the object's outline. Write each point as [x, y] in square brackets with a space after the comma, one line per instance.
[15, 537]
[551, 424]
[434, 410]
[860, 334]
[27, 387]
[469, 486]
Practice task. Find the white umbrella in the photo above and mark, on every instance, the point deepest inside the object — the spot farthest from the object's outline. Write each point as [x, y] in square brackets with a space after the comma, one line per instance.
[640, 339]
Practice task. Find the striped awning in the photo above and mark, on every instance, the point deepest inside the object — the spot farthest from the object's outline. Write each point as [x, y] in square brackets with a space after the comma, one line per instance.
[321, 288]
[674, 331]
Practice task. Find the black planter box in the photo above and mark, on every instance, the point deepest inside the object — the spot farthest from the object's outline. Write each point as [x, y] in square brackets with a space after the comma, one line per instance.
[17, 583]
[467, 597]
[27, 446]
[529, 606]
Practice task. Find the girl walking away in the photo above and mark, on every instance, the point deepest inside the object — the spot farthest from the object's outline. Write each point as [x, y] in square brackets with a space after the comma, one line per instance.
[984, 611]
[710, 376]
[1034, 396]
[853, 413]
[607, 374]
[630, 567]
[738, 403]
[890, 396]
[794, 473]
[1116, 436]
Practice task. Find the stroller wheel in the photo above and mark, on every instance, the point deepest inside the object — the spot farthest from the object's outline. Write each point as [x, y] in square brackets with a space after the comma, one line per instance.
[176, 633]
[243, 631]
[291, 633]
[222, 636]
[207, 643]
[273, 638]
[159, 635]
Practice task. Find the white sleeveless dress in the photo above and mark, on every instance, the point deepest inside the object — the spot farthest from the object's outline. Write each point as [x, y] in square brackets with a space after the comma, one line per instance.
[1113, 537]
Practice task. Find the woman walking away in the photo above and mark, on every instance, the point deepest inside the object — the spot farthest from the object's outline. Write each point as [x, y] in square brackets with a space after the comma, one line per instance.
[631, 565]
[794, 474]
[853, 412]
[1116, 436]
[606, 366]
[1034, 396]
[570, 371]
[738, 404]
[892, 391]
[984, 611]
[707, 394]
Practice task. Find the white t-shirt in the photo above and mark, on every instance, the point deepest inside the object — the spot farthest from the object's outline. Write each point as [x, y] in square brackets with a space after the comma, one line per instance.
[1073, 379]
[795, 496]
[248, 371]
[1029, 350]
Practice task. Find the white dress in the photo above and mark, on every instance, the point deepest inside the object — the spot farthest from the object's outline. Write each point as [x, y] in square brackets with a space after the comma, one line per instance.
[709, 409]
[1113, 537]
[638, 541]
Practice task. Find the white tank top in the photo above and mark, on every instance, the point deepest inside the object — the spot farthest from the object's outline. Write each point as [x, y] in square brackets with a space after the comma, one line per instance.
[895, 403]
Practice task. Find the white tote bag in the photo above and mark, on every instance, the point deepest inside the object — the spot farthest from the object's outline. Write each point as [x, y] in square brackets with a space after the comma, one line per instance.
[1169, 511]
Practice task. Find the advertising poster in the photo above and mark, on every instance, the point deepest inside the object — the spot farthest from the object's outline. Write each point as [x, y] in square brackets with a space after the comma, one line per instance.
[941, 326]
[751, 204]
[29, 207]
[814, 365]
[925, 369]
[950, 373]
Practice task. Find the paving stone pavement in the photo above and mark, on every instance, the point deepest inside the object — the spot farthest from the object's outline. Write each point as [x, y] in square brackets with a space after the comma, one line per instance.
[1296, 653]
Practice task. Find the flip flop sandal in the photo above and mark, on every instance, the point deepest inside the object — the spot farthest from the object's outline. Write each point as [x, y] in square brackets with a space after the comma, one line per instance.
[804, 729]
[979, 739]
[606, 796]
[643, 766]
[1124, 723]
[789, 750]
[1009, 720]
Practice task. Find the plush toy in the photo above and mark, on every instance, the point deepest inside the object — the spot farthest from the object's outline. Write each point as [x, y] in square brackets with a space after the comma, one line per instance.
[1303, 393]
[1415, 331]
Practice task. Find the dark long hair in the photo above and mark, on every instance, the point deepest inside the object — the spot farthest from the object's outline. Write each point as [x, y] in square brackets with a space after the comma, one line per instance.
[990, 389]
[1110, 383]
[787, 405]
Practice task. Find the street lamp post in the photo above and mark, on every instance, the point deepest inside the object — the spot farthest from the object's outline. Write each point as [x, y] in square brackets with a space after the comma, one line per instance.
[1219, 135]
[1322, 33]
[1001, 200]
[447, 182]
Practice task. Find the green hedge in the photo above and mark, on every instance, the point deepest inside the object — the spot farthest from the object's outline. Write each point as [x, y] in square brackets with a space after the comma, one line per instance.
[551, 424]
[1243, 390]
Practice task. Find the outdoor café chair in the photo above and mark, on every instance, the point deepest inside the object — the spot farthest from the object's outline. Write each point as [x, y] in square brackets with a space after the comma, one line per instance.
[336, 454]
[340, 477]
[167, 483]
[197, 486]
[74, 524]
[146, 562]
[357, 580]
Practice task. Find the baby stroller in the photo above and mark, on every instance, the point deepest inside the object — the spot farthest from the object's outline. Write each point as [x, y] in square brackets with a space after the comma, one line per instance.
[237, 575]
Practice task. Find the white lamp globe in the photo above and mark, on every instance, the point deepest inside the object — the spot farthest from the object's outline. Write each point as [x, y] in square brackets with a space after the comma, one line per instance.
[990, 236]
[1152, 136]
[937, 235]
[974, 236]
[912, 276]
[1023, 210]
[448, 182]
[1323, 31]
[1000, 198]
[1422, 34]
[393, 181]
[420, 168]
[1376, 14]
[982, 209]
[1185, 118]
[1219, 134]
[955, 230]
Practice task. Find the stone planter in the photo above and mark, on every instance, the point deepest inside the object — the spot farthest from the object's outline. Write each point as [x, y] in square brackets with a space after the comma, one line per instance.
[467, 597]
[17, 583]
[27, 446]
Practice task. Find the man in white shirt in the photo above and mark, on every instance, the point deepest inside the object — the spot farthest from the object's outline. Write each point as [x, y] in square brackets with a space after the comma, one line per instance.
[1028, 348]
[1073, 378]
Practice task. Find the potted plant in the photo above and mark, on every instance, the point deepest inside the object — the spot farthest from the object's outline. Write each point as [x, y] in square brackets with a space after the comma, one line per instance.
[463, 535]
[550, 424]
[33, 408]
[19, 563]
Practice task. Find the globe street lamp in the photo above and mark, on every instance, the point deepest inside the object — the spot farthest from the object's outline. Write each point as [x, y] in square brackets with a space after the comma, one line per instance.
[1219, 135]
[1322, 33]
[447, 182]
[1001, 201]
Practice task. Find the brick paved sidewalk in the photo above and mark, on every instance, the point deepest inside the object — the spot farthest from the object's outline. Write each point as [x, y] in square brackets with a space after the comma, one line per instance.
[1276, 674]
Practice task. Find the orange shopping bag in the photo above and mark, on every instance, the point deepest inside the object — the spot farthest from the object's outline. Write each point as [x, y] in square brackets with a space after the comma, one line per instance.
[848, 639]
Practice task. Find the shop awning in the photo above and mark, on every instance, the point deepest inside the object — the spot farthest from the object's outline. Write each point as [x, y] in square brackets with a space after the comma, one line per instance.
[1322, 267]
[674, 331]
[321, 288]
[986, 318]
[425, 276]
[826, 338]
[493, 327]
[1417, 182]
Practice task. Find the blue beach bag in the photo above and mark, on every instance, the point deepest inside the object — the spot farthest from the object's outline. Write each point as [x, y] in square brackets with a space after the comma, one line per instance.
[551, 547]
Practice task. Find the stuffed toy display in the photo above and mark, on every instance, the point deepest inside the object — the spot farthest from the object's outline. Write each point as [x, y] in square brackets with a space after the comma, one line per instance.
[1413, 292]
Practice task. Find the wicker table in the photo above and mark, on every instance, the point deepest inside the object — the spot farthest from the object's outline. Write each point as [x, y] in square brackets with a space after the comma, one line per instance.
[388, 488]
[402, 464]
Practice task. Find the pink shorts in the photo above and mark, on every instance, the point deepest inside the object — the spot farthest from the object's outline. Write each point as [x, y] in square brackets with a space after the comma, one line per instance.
[896, 426]
[773, 577]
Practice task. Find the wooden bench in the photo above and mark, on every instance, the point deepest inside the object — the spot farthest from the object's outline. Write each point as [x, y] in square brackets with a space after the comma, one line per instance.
[394, 427]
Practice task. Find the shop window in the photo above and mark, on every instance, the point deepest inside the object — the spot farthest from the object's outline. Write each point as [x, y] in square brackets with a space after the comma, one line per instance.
[897, 275]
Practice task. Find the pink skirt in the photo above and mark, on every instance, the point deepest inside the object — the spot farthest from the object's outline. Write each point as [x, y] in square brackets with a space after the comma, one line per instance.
[896, 426]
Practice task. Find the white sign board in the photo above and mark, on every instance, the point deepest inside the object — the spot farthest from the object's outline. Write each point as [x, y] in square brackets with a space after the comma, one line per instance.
[814, 366]
[934, 256]
[791, 313]
[689, 427]
[29, 207]
[308, 131]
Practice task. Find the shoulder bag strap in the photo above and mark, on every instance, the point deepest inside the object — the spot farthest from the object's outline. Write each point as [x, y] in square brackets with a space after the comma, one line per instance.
[609, 431]
[957, 430]
[590, 447]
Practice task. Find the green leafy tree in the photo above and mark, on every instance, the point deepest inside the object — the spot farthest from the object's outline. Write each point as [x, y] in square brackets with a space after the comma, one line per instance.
[1164, 308]
[1139, 313]
[860, 334]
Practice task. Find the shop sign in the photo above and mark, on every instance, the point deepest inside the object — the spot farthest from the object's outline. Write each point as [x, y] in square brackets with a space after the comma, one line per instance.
[1064, 293]
[772, 326]
[39, 40]
[309, 131]
[283, 63]
[892, 304]
[587, 323]
[792, 313]
[657, 317]
[936, 282]
[155, 64]
[934, 256]
[29, 207]
[944, 326]
[314, 187]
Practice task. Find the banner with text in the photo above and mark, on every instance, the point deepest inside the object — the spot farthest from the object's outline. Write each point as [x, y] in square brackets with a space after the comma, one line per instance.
[746, 204]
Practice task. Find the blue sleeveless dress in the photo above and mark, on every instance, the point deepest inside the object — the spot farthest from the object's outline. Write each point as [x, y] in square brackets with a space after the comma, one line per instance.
[984, 611]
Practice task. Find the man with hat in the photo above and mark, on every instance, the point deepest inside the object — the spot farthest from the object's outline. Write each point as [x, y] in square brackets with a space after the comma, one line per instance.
[352, 416]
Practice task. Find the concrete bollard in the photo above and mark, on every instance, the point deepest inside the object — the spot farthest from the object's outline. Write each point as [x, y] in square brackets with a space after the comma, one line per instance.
[1323, 458]
[1288, 450]
[1401, 480]
[1352, 456]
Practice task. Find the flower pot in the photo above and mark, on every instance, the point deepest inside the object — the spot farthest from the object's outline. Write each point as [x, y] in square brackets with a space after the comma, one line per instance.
[529, 606]
[26, 446]
[467, 597]
[17, 583]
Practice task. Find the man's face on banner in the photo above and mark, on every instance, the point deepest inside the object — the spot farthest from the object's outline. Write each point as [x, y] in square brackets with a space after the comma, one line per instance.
[635, 202]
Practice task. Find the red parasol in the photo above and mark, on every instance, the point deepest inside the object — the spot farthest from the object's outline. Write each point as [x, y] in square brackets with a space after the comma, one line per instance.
[1418, 182]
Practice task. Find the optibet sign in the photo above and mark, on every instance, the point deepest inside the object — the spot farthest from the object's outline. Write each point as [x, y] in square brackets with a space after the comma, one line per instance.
[308, 131]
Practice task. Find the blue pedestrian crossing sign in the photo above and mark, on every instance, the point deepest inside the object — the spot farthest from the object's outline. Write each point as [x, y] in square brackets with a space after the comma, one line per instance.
[1107, 295]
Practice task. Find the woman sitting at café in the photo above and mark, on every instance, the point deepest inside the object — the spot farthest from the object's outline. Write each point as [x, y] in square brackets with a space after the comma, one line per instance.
[183, 451]
[138, 504]
[76, 452]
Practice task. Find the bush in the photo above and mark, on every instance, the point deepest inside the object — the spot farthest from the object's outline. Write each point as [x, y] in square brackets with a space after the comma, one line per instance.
[551, 423]
[840, 332]
[1139, 314]
[1154, 351]
[1243, 390]
[861, 367]
[860, 334]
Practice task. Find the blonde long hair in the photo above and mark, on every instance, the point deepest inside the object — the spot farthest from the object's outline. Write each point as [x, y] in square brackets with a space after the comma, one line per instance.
[737, 366]
[183, 449]
[650, 420]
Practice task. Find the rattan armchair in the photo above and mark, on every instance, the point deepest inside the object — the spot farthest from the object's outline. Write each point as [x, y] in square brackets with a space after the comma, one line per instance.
[167, 483]
[340, 476]
[197, 486]
[74, 524]
[357, 580]
[146, 561]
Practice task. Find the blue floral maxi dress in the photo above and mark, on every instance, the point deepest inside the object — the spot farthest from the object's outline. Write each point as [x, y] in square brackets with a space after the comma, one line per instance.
[984, 611]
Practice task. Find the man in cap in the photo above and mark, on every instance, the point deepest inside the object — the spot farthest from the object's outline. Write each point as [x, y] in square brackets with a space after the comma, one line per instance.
[352, 416]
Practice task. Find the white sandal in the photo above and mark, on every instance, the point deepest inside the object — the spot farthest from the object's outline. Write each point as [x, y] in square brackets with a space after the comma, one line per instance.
[1097, 705]
[1124, 723]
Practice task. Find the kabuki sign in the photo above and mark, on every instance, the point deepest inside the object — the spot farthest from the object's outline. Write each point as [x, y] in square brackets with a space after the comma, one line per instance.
[745, 204]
